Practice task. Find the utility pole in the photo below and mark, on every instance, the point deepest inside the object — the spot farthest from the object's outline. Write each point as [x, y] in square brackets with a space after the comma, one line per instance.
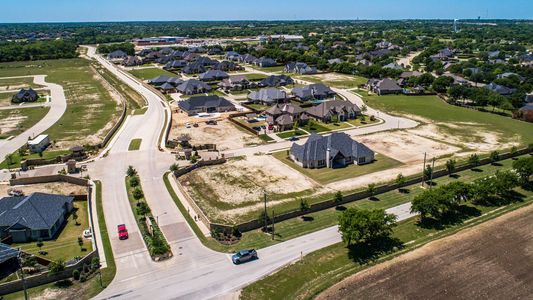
[423, 170]
[266, 214]
[431, 175]
[22, 275]
[273, 232]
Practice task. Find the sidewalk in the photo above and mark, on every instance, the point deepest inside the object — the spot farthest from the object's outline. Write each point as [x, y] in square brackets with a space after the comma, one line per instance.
[97, 236]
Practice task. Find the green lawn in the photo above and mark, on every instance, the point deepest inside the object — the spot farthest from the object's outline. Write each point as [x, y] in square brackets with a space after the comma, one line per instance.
[364, 121]
[16, 121]
[91, 287]
[258, 107]
[133, 99]
[150, 73]
[16, 159]
[328, 175]
[90, 106]
[461, 120]
[291, 133]
[65, 246]
[135, 145]
[265, 138]
[321, 269]
[271, 69]
[344, 81]
[15, 83]
[255, 76]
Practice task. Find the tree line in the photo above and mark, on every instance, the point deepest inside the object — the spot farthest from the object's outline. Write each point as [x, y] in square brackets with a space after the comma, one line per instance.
[23, 51]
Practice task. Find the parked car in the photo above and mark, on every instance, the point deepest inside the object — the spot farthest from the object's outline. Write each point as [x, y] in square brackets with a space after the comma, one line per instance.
[292, 139]
[122, 232]
[211, 122]
[87, 233]
[187, 125]
[244, 256]
[195, 125]
[15, 193]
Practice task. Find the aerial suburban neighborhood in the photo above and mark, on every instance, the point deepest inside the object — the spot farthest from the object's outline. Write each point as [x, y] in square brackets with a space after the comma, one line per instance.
[280, 150]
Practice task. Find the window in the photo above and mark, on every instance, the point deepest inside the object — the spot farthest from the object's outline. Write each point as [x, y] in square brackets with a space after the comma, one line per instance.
[362, 160]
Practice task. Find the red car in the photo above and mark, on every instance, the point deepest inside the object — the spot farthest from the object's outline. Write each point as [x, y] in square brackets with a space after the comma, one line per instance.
[122, 232]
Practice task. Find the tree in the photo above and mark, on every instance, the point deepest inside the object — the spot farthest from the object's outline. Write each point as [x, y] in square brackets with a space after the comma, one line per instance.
[80, 242]
[494, 156]
[134, 181]
[371, 189]
[400, 181]
[22, 151]
[56, 267]
[474, 160]
[131, 171]
[524, 167]
[440, 202]
[428, 171]
[9, 159]
[304, 205]
[40, 243]
[137, 193]
[513, 151]
[338, 198]
[75, 217]
[174, 167]
[359, 226]
[450, 166]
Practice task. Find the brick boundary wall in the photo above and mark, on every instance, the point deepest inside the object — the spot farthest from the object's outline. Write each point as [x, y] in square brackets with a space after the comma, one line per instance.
[49, 178]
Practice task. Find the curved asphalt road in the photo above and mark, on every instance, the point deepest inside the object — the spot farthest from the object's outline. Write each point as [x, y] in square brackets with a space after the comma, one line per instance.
[58, 107]
[195, 272]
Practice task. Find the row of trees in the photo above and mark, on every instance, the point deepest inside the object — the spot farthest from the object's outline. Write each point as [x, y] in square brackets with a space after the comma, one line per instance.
[129, 48]
[22, 51]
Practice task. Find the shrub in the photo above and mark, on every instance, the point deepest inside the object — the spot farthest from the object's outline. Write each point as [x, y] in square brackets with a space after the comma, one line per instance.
[137, 193]
[134, 181]
[56, 267]
[83, 278]
[86, 268]
[131, 171]
[95, 263]
[76, 274]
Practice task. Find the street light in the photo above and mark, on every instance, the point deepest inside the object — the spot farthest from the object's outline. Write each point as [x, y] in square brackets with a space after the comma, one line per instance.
[157, 218]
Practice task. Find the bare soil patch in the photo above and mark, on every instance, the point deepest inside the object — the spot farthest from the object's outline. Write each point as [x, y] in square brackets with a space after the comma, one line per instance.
[490, 261]
[237, 186]
[61, 188]
[225, 134]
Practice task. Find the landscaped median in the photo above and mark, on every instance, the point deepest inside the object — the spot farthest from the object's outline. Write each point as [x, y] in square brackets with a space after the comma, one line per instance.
[150, 231]
[135, 145]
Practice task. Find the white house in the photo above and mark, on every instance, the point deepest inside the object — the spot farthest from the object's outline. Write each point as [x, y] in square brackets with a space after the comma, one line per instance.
[39, 143]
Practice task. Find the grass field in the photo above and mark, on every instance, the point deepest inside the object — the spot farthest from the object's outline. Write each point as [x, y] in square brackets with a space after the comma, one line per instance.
[16, 121]
[150, 73]
[15, 83]
[134, 99]
[328, 175]
[90, 108]
[335, 80]
[271, 69]
[65, 246]
[135, 145]
[436, 110]
[291, 133]
[255, 76]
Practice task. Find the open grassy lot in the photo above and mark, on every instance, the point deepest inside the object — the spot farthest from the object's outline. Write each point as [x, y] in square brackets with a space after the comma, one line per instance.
[290, 133]
[150, 73]
[271, 69]
[335, 80]
[326, 267]
[16, 83]
[16, 158]
[91, 111]
[362, 121]
[65, 246]
[16, 121]
[258, 107]
[135, 144]
[328, 175]
[134, 99]
[455, 121]
[255, 76]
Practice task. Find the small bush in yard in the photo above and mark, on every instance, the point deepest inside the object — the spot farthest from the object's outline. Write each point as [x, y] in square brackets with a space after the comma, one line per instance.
[83, 278]
[76, 274]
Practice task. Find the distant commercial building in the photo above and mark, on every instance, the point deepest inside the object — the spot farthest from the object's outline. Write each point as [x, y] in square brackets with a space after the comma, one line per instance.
[162, 40]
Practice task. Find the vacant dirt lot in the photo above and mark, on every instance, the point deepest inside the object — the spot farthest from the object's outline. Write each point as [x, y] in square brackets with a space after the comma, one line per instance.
[237, 186]
[61, 188]
[490, 261]
[405, 147]
[225, 134]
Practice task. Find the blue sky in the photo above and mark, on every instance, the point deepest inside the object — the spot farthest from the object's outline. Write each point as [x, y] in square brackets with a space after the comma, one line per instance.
[167, 10]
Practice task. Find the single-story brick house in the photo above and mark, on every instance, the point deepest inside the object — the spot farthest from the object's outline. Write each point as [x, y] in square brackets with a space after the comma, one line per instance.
[205, 104]
[337, 150]
[329, 110]
[37, 216]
